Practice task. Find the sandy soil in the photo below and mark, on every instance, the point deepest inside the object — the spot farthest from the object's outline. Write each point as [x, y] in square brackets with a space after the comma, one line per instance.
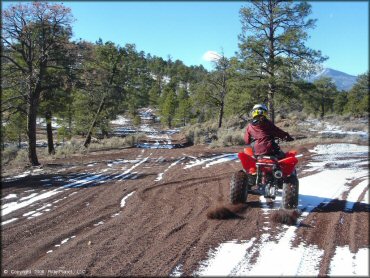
[144, 213]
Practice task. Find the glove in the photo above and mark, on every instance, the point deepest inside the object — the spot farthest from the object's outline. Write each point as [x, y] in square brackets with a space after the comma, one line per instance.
[289, 138]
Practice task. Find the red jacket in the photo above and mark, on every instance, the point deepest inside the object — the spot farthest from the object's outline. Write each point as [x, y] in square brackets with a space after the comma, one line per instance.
[261, 136]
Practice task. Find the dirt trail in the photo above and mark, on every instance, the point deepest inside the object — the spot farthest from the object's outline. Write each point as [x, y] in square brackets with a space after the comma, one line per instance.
[144, 212]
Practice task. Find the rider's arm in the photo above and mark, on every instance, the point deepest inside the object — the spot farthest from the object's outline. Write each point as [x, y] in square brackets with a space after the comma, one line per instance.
[247, 137]
[277, 132]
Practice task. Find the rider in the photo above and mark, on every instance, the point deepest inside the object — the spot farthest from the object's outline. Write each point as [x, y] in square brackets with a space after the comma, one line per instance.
[260, 134]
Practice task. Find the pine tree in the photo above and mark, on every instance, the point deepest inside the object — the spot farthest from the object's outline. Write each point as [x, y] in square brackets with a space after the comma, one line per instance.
[272, 43]
[358, 97]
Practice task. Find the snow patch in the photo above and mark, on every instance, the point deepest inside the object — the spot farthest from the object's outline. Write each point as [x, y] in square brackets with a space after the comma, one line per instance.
[121, 121]
[211, 161]
[345, 263]
[302, 261]
[123, 201]
[28, 197]
[354, 194]
[177, 271]
[8, 221]
[160, 175]
[10, 196]
[223, 260]
[8, 208]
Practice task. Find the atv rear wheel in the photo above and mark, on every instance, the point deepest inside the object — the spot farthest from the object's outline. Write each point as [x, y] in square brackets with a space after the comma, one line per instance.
[238, 190]
[290, 193]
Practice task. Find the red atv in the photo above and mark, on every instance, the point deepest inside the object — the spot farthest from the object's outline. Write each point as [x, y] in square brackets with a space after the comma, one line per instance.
[264, 175]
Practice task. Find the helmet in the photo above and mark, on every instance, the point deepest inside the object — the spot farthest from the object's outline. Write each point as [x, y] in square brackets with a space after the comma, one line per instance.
[259, 110]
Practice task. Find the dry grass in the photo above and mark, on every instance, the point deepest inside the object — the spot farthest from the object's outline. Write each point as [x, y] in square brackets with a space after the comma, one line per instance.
[12, 156]
[8, 154]
[116, 142]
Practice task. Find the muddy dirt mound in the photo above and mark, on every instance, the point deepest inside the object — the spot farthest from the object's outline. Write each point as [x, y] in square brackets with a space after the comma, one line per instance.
[285, 216]
[226, 211]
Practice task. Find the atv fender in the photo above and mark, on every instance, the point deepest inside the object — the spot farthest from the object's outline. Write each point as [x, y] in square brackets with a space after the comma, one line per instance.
[287, 165]
[248, 162]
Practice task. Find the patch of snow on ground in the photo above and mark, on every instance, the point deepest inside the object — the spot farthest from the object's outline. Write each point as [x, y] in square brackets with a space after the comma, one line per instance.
[327, 128]
[8, 221]
[147, 129]
[42, 122]
[28, 197]
[24, 174]
[330, 183]
[120, 121]
[211, 161]
[123, 201]
[353, 195]
[222, 160]
[160, 175]
[233, 259]
[338, 149]
[8, 208]
[10, 196]
[335, 129]
[156, 145]
[324, 186]
[35, 215]
[345, 263]
[134, 166]
[223, 260]
[29, 213]
[177, 272]
[284, 260]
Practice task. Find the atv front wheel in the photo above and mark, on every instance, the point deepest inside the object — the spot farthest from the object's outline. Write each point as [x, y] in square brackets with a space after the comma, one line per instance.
[238, 190]
[290, 193]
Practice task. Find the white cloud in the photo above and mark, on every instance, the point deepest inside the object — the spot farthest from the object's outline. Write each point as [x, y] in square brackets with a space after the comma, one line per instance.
[211, 56]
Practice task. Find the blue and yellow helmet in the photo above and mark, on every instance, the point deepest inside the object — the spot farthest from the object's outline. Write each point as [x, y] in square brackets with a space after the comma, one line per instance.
[259, 110]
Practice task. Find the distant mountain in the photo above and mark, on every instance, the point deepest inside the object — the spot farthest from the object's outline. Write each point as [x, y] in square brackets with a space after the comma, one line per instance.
[342, 80]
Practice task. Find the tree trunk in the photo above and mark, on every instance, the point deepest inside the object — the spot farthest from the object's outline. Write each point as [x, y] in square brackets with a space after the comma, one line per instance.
[31, 131]
[69, 136]
[221, 115]
[270, 100]
[49, 132]
[322, 106]
[88, 136]
[169, 122]
[271, 63]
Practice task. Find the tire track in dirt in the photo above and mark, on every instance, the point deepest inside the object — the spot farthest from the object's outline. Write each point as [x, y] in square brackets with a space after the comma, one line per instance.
[65, 211]
[186, 233]
[62, 219]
